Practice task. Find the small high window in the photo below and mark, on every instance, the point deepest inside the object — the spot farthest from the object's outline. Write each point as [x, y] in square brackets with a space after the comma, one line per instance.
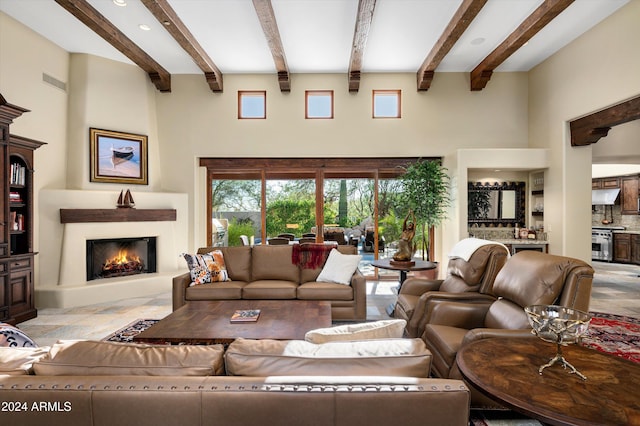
[318, 104]
[386, 103]
[252, 104]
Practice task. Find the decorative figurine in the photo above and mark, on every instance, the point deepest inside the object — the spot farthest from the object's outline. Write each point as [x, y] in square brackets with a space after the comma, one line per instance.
[406, 246]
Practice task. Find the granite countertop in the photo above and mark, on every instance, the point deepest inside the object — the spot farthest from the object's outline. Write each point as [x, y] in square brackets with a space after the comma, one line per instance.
[520, 241]
[627, 231]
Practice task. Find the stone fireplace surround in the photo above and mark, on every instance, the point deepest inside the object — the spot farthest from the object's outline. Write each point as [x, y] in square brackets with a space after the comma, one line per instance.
[60, 265]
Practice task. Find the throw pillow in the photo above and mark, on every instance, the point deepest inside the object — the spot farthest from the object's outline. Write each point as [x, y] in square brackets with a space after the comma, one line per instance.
[339, 268]
[206, 268]
[13, 337]
[384, 329]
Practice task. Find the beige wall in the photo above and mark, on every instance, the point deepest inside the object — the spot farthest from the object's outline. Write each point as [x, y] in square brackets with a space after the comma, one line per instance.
[621, 145]
[599, 69]
[110, 95]
[194, 122]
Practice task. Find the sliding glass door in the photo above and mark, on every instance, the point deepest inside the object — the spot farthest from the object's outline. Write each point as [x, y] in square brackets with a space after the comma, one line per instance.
[349, 201]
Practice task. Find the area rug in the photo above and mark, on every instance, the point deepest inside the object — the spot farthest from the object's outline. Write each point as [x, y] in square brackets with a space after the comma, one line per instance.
[126, 334]
[614, 334]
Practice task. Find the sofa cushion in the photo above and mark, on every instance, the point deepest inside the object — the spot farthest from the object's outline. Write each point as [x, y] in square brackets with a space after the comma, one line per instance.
[270, 289]
[93, 358]
[387, 357]
[237, 260]
[271, 262]
[228, 290]
[384, 329]
[325, 291]
[532, 278]
[19, 361]
[339, 267]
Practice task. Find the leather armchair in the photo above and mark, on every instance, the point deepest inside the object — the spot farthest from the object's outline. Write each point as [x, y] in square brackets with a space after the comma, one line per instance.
[527, 278]
[468, 281]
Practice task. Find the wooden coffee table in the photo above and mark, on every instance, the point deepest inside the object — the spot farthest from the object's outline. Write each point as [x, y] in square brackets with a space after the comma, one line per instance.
[507, 371]
[208, 322]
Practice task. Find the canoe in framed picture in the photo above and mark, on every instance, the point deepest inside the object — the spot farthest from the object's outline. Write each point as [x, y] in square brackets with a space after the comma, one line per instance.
[118, 157]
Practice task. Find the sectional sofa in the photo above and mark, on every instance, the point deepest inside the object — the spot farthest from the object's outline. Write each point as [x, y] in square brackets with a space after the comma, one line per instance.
[265, 272]
[370, 382]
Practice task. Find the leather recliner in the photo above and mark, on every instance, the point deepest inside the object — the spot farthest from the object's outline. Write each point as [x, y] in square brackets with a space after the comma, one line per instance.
[467, 280]
[527, 278]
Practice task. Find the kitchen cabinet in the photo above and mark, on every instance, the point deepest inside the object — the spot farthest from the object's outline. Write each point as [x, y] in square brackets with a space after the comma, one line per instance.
[621, 247]
[605, 183]
[626, 247]
[629, 194]
[635, 249]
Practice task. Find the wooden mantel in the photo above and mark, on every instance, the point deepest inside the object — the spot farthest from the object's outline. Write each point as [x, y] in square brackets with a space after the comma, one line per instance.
[116, 215]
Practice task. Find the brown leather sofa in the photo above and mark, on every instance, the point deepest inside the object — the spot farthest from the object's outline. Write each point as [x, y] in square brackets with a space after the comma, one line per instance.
[466, 280]
[103, 383]
[527, 278]
[264, 272]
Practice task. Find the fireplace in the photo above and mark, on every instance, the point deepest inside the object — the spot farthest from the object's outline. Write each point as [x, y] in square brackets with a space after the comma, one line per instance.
[117, 257]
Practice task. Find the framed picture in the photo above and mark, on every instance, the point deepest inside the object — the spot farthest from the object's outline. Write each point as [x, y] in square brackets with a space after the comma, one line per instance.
[118, 157]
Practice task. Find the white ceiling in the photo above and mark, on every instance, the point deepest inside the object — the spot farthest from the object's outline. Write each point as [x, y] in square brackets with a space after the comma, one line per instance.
[316, 34]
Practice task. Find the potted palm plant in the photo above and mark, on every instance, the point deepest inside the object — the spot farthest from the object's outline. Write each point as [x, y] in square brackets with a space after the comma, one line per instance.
[425, 190]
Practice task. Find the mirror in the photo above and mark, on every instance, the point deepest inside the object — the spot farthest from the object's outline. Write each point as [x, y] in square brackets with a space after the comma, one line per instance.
[497, 204]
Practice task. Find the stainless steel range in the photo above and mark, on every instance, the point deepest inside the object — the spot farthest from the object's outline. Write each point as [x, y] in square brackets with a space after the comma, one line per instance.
[602, 242]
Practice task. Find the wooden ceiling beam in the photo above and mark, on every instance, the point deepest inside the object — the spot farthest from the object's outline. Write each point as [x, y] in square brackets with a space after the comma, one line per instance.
[165, 14]
[267, 19]
[360, 37]
[540, 17]
[459, 23]
[589, 129]
[93, 19]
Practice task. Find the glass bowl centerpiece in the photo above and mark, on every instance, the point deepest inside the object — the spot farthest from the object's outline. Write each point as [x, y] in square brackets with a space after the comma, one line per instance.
[560, 325]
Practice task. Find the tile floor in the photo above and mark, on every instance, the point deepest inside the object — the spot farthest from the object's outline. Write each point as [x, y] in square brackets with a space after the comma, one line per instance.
[616, 290]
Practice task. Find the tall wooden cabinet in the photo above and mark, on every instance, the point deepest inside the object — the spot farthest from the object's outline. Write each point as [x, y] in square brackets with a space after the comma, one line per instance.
[16, 225]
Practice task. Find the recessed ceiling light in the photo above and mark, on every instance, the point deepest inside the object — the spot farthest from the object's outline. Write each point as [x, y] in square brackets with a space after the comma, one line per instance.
[144, 27]
[478, 41]
[120, 3]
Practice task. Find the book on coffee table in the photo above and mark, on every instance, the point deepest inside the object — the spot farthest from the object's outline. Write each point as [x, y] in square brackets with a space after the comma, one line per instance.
[245, 315]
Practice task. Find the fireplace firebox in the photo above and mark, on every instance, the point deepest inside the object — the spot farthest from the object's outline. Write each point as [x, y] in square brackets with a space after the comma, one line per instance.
[117, 257]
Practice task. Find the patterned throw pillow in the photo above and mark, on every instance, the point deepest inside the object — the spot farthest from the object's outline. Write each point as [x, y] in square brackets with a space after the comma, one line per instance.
[13, 337]
[206, 268]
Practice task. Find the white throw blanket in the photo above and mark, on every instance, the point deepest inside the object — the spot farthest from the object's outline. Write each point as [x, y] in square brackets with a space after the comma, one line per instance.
[465, 248]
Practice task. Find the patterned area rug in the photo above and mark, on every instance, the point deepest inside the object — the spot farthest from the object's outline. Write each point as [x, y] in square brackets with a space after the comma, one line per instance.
[126, 334]
[614, 334]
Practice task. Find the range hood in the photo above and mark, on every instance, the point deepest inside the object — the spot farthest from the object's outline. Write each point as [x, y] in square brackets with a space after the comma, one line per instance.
[604, 197]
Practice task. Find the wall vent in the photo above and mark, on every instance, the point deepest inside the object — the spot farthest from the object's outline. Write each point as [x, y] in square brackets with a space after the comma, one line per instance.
[54, 81]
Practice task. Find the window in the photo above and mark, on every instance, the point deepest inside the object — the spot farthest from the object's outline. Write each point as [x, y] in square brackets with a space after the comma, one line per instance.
[386, 104]
[252, 104]
[318, 104]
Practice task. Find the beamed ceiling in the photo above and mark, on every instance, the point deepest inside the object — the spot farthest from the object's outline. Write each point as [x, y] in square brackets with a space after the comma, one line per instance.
[284, 37]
